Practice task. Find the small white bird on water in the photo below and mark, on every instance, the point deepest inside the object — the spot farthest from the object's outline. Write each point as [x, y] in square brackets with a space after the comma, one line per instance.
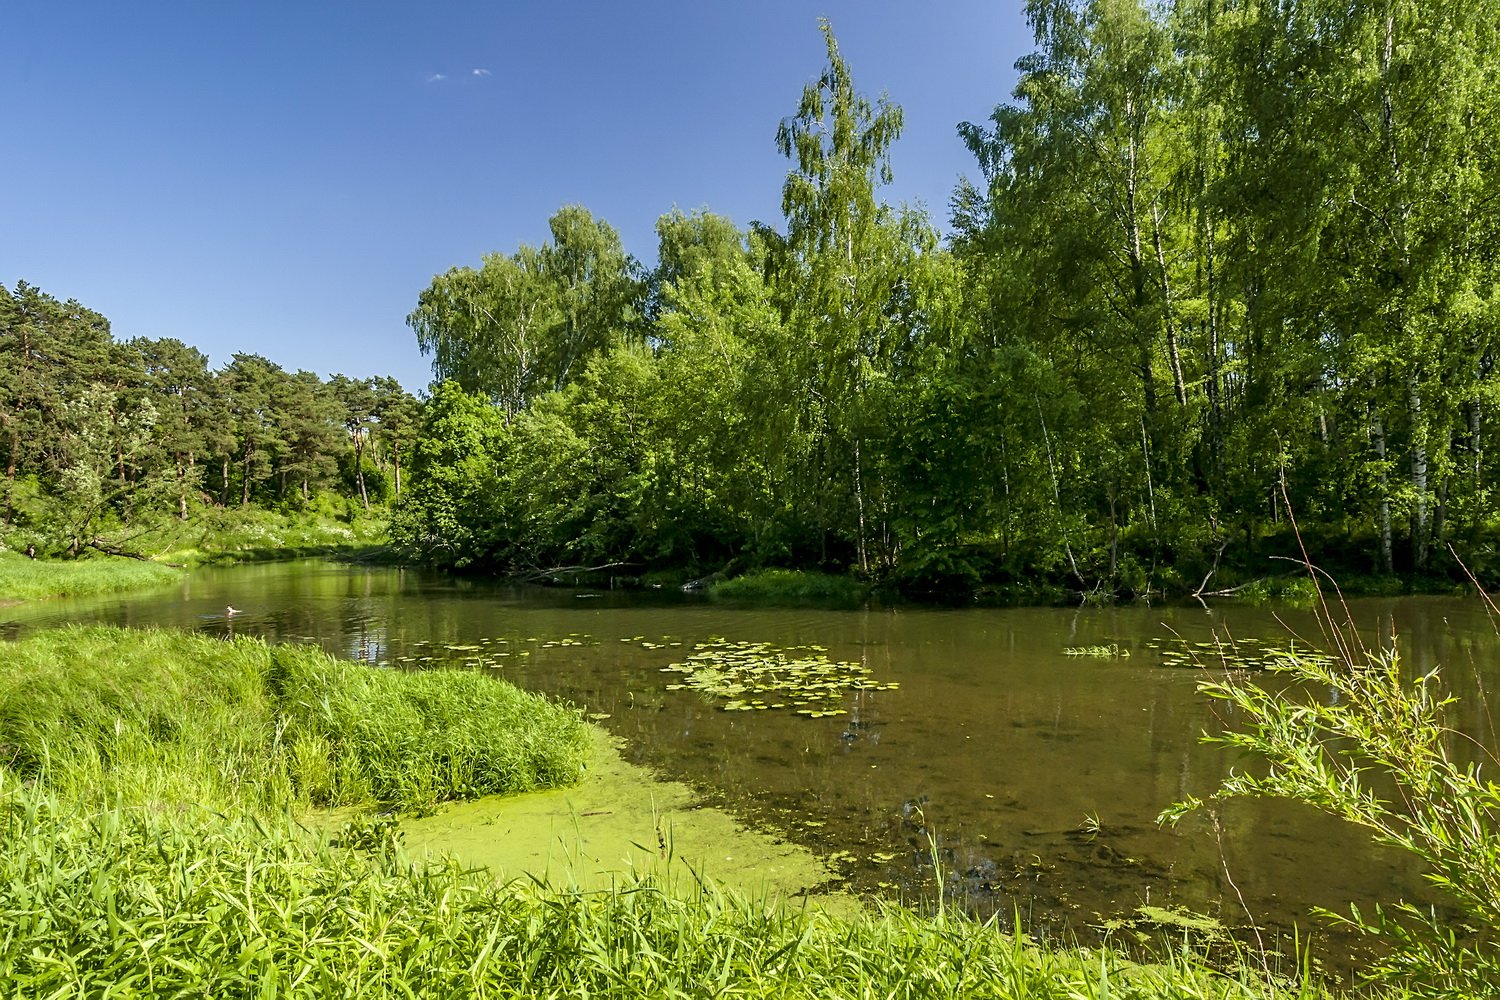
[230, 611]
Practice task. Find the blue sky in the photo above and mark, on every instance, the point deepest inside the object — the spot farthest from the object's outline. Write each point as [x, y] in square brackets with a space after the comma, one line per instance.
[284, 178]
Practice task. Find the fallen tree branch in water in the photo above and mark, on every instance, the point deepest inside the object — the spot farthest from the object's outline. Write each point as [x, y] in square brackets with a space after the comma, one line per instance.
[539, 575]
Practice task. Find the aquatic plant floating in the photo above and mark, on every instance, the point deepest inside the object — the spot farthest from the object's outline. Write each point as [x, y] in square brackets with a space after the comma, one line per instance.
[1233, 654]
[1111, 651]
[757, 676]
[482, 653]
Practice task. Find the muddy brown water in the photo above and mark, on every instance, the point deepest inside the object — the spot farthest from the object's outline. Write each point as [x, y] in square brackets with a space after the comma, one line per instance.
[1024, 779]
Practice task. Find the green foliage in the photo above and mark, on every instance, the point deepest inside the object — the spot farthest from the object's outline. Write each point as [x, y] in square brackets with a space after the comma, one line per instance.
[249, 534]
[1378, 754]
[1218, 263]
[454, 509]
[103, 440]
[528, 323]
[1295, 590]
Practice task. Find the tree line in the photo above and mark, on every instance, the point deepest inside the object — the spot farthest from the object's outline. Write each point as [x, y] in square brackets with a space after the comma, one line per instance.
[1227, 262]
[98, 434]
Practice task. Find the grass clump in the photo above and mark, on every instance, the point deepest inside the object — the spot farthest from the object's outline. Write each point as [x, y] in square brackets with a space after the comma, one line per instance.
[791, 585]
[23, 579]
[102, 714]
[414, 739]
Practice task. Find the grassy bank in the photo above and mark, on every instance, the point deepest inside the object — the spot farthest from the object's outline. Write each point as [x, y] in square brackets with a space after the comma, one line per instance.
[774, 585]
[220, 536]
[23, 579]
[121, 902]
[216, 536]
[149, 845]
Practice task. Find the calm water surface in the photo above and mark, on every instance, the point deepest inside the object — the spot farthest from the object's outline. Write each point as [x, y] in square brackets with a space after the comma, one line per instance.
[1031, 776]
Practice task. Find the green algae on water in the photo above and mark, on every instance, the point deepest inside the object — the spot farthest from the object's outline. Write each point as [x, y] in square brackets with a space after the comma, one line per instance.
[619, 822]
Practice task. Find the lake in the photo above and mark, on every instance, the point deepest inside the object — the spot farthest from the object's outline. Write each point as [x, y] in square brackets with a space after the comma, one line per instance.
[975, 743]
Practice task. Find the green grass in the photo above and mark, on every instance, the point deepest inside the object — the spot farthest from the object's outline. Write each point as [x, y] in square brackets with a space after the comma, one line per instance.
[134, 903]
[791, 585]
[23, 579]
[357, 734]
[103, 714]
[149, 846]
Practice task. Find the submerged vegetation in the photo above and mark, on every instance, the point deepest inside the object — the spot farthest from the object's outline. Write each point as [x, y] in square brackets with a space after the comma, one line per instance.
[1236, 653]
[1113, 651]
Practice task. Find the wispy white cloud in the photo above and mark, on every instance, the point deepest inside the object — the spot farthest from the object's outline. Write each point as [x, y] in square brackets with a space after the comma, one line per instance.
[436, 78]
[481, 72]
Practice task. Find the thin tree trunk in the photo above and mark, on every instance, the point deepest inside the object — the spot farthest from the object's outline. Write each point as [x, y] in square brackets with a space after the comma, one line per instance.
[1419, 515]
[182, 511]
[1005, 522]
[1179, 388]
[1215, 389]
[1137, 266]
[1440, 511]
[859, 512]
[10, 478]
[359, 466]
[1057, 495]
[1383, 513]
[245, 483]
[1150, 490]
[1476, 452]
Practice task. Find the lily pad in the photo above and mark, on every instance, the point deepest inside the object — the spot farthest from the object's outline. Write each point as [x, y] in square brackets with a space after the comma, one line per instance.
[761, 676]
